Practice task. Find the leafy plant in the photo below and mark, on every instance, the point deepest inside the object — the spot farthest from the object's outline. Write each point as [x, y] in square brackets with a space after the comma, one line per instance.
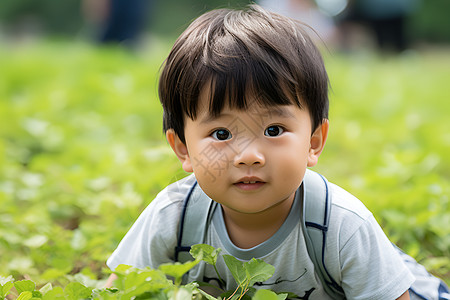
[246, 274]
[133, 283]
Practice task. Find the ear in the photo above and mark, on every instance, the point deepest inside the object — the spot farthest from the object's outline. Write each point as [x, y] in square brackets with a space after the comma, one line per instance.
[180, 150]
[318, 139]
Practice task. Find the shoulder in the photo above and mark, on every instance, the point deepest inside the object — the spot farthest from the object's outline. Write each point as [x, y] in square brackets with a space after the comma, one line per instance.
[359, 254]
[348, 215]
[346, 204]
[172, 197]
[162, 215]
[152, 238]
[160, 218]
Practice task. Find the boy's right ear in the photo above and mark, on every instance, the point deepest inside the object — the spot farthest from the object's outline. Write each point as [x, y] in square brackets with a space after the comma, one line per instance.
[180, 150]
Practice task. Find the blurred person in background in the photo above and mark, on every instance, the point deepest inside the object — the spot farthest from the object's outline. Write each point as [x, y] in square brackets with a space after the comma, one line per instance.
[307, 12]
[119, 21]
[386, 19]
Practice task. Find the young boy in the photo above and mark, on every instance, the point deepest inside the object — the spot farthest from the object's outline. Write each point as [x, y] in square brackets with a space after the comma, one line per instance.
[245, 98]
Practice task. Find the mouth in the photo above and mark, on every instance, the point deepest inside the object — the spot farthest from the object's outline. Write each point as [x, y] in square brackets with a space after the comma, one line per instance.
[249, 183]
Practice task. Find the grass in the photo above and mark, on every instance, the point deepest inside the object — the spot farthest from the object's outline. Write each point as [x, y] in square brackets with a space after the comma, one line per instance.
[82, 151]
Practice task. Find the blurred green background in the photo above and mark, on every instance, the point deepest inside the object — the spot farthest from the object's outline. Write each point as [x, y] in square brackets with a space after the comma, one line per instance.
[82, 151]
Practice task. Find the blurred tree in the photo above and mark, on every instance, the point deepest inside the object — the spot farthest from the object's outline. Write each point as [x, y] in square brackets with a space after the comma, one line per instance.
[431, 22]
[51, 17]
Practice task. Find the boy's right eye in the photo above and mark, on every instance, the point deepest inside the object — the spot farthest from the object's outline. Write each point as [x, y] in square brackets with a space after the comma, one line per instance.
[221, 134]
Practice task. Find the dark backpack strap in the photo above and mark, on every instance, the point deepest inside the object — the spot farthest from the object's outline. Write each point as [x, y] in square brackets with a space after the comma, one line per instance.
[316, 202]
[196, 214]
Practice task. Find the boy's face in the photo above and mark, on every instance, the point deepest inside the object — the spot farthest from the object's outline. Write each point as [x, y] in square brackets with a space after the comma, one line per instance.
[249, 160]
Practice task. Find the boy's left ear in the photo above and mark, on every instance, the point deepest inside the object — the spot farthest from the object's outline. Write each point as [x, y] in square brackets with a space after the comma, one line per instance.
[318, 139]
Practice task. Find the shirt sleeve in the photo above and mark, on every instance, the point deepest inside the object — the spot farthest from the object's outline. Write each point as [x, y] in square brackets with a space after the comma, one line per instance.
[371, 268]
[151, 240]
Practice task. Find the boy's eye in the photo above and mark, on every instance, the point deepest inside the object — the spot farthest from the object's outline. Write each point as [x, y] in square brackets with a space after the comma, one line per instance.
[273, 130]
[221, 134]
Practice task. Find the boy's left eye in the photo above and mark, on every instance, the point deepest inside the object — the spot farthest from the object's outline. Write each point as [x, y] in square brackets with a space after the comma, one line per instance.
[273, 130]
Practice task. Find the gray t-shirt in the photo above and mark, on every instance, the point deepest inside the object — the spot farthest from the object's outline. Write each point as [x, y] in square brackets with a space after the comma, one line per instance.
[358, 254]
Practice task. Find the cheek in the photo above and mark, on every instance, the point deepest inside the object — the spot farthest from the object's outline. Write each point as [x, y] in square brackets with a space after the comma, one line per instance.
[294, 147]
[210, 160]
[292, 158]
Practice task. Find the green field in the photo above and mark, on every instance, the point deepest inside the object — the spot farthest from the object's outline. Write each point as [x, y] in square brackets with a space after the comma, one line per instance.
[82, 152]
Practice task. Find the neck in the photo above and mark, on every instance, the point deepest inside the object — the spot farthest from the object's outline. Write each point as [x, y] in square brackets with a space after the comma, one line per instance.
[249, 230]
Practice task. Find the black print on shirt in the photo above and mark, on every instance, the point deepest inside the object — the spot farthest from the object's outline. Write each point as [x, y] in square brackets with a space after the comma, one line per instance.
[277, 281]
[210, 280]
[306, 296]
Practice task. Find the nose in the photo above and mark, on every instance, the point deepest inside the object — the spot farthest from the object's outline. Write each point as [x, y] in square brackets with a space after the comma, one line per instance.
[249, 156]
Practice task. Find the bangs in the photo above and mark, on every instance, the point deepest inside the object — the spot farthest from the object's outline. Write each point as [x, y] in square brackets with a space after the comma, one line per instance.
[237, 68]
[243, 84]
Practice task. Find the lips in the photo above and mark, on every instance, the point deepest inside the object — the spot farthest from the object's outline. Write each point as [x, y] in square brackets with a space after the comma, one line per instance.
[249, 183]
[249, 179]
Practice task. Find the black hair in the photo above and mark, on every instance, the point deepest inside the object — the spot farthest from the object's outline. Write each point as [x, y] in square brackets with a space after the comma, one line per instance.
[242, 53]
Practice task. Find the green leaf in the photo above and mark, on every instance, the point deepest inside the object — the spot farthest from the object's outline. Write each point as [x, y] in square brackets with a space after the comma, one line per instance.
[258, 271]
[37, 294]
[146, 296]
[268, 295]
[146, 280]
[24, 286]
[205, 252]
[122, 268]
[182, 294]
[26, 295]
[140, 283]
[4, 280]
[206, 295]
[5, 285]
[56, 293]
[282, 296]
[46, 288]
[236, 268]
[177, 270]
[76, 291]
[105, 294]
[129, 278]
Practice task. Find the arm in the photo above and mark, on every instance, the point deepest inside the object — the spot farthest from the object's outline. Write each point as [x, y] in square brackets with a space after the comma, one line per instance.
[152, 238]
[113, 277]
[405, 296]
[372, 267]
